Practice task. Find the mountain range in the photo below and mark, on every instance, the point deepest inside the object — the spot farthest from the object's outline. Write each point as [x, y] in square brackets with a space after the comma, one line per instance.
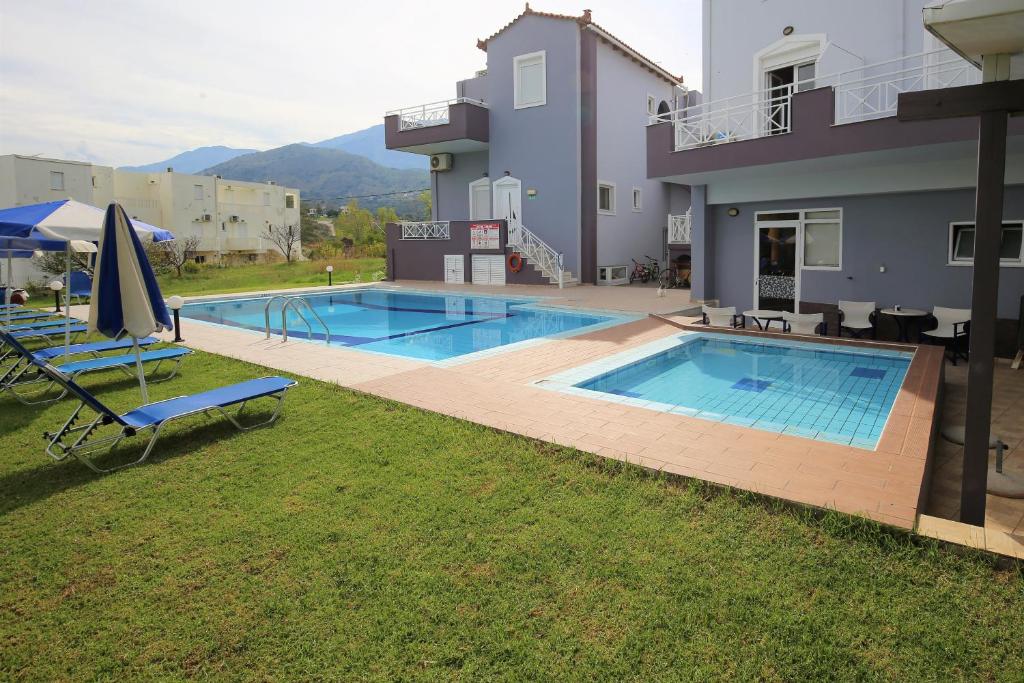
[353, 164]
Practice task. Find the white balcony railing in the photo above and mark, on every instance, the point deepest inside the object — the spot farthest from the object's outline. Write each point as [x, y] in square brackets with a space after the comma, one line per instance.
[426, 115]
[680, 228]
[867, 92]
[427, 230]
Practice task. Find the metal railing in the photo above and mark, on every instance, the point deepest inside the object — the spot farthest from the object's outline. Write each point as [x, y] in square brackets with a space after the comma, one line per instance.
[296, 303]
[536, 250]
[426, 230]
[431, 114]
[867, 92]
[680, 228]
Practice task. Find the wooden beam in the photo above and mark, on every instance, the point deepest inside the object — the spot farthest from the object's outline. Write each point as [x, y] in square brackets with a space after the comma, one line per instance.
[988, 221]
[967, 100]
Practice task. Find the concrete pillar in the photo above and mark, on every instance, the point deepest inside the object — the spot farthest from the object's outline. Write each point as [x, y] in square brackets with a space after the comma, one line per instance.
[702, 277]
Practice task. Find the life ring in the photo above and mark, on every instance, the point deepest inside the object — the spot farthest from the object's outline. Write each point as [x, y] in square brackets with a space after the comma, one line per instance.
[515, 262]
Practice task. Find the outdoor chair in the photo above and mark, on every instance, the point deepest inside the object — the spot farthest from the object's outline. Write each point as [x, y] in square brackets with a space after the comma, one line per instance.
[26, 375]
[859, 317]
[25, 316]
[46, 333]
[804, 323]
[78, 441]
[721, 317]
[38, 324]
[90, 349]
[80, 286]
[952, 329]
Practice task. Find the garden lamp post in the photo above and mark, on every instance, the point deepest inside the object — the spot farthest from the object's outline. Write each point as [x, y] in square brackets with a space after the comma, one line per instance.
[175, 303]
[330, 276]
[56, 286]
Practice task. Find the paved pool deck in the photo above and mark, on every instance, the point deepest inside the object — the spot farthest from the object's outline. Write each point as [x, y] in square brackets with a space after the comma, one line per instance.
[890, 484]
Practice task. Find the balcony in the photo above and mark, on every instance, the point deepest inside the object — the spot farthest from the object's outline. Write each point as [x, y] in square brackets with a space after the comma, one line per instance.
[843, 113]
[453, 126]
[426, 230]
[680, 228]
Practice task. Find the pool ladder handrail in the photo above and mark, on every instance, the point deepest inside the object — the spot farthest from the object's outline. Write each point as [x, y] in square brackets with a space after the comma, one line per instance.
[296, 302]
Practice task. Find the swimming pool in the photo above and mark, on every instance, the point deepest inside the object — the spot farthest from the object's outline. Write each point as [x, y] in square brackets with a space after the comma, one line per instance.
[424, 325]
[831, 393]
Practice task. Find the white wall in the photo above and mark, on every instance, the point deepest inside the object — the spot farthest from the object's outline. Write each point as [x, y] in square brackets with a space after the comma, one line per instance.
[622, 90]
[855, 33]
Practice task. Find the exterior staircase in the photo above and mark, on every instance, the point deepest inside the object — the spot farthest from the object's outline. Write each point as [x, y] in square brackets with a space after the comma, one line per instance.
[538, 254]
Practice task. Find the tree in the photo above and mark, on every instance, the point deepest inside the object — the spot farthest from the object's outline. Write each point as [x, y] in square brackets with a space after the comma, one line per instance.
[313, 231]
[177, 252]
[55, 263]
[286, 238]
[428, 204]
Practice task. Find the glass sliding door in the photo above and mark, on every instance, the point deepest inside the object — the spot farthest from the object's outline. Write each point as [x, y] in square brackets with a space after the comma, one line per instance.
[775, 275]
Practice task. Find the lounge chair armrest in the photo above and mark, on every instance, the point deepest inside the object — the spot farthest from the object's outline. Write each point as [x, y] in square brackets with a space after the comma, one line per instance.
[961, 329]
[739, 321]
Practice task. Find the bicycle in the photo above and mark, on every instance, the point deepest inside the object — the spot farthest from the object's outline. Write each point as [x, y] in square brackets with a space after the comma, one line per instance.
[640, 272]
[653, 267]
[672, 278]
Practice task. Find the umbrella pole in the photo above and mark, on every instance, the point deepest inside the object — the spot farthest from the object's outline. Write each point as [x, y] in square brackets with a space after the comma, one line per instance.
[138, 367]
[9, 289]
[67, 303]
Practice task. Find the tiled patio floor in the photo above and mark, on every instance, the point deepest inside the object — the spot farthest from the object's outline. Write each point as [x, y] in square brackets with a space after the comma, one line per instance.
[497, 391]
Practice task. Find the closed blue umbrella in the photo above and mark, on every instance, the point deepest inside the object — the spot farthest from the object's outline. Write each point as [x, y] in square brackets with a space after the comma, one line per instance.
[126, 299]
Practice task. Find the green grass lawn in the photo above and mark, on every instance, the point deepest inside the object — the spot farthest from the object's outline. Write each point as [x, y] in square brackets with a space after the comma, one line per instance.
[266, 276]
[364, 539]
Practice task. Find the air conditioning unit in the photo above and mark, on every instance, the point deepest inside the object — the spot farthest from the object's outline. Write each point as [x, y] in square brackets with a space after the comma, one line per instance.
[440, 162]
[233, 219]
[207, 218]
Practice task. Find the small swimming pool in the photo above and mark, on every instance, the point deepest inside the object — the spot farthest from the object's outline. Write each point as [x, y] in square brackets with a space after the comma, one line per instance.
[425, 325]
[832, 393]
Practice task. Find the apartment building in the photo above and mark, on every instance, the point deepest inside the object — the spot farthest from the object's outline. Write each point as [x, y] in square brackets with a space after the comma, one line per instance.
[549, 142]
[228, 216]
[806, 189]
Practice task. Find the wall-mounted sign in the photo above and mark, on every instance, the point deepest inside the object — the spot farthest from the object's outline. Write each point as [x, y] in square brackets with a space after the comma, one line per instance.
[531, 193]
[485, 235]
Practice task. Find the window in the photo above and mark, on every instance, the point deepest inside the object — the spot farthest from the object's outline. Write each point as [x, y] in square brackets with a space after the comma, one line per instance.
[56, 180]
[961, 244]
[266, 199]
[637, 199]
[821, 234]
[606, 198]
[530, 80]
[289, 203]
[200, 259]
[197, 192]
[652, 105]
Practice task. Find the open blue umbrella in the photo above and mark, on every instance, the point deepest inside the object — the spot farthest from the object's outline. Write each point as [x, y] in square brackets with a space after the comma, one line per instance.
[126, 299]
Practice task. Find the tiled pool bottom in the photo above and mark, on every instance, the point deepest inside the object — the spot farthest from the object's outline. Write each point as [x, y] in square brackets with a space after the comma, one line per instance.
[825, 392]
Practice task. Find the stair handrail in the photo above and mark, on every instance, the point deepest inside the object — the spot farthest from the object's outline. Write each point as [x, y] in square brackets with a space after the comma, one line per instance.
[293, 302]
[535, 249]
[266, 311]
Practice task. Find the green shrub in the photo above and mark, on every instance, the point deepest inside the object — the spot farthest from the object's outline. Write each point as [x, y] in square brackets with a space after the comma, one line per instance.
[190, 268]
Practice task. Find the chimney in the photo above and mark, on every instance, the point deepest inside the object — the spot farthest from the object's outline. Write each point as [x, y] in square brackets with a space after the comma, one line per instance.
[585, 19]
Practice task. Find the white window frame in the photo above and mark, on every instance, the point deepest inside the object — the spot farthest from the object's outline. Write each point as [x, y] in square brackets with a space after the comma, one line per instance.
[652, 105]
[612, 193]
[481, 182]
[637, 199]
[266, 199]
[198, 192]
[55, 175]
[516, 61]
[801, 233]
[1003, 263]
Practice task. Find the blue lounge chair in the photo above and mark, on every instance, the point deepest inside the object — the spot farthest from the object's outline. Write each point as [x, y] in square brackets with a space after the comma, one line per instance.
[40, 324]
[91, 349]
[76, 441]
[26, 315]
[80, 286]
[45, 333]
[17, 382]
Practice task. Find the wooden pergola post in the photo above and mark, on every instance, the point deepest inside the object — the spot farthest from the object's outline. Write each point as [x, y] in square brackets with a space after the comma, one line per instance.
[992, 103]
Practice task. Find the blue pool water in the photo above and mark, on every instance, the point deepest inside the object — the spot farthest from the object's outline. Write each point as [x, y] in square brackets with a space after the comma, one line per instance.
[822, 392]
[412, 324]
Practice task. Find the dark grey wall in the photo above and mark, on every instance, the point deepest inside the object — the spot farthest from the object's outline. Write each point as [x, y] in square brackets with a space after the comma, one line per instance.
[908, 233]
[702, 282]
[424, 259]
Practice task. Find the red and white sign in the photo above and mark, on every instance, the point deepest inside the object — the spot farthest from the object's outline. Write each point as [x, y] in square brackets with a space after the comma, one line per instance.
[485, 235]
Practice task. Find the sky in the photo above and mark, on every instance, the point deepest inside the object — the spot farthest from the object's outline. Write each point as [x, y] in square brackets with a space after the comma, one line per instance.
[126, 82]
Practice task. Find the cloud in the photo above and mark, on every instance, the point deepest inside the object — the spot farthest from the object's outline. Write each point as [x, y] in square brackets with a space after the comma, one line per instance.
[129, 82]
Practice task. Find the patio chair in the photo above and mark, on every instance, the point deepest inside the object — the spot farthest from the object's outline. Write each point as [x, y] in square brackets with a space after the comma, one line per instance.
[858, 317]
[80, 286]
[952, 329]
[804, 323]
[6, 349]
[721, 317]
[48, 353]
[17, 380]
[27, 314]
[37, 324]
[78, 441]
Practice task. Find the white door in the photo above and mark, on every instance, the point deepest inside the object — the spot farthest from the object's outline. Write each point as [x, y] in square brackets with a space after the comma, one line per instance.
[488, 269]
[480, 200]
[508, 198]
[453, 269]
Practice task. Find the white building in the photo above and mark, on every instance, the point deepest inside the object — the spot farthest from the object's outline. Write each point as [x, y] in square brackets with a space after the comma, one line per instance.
[228, 216]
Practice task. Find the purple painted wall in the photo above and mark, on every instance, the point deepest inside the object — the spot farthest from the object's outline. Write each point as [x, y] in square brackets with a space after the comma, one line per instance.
[424, 259]
[908, 233]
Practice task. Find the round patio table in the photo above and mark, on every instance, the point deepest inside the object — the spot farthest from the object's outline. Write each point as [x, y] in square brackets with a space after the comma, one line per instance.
[902, 316]
[767, 315]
